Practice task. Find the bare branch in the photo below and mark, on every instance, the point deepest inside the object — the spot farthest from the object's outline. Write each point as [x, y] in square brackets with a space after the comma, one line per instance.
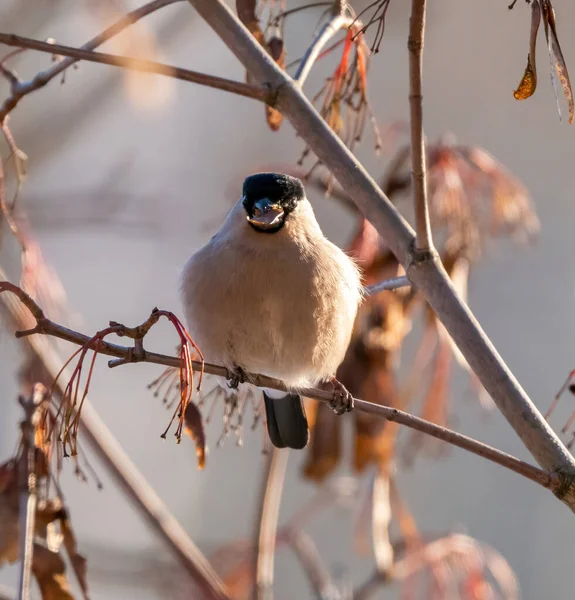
[418, 166]
[121, 468]
[135, 64]
[268, 525]
[21, 89]
[335, 24]
[389, 284]
[426, 272]
[311, 561]
[28, 492]
[127, 354]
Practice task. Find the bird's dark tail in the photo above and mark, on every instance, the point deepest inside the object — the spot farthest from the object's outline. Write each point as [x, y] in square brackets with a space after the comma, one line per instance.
[287, 423]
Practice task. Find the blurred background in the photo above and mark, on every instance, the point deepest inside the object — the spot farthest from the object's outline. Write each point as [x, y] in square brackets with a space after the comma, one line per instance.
[128, 175]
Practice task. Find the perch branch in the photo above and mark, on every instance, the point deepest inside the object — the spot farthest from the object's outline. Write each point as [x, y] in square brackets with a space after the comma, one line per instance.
[135, 64]
[126, 354]
[336, 23]
[415, 44]
[121, 468]
[424, 271]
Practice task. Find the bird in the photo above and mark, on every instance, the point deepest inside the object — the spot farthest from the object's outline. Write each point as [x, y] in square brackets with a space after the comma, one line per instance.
[270, 294]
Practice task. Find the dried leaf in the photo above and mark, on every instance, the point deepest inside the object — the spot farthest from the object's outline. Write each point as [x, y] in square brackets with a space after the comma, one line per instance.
[9, 520]
[556, 57]
[50, 572]
[195, 429]
[325, 442]
[276, 50]
[79, 563]
[529, 82]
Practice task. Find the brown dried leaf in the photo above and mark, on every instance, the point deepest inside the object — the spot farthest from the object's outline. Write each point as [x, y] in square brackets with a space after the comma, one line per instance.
[436, 401]
[9, 520]
[556, 56]
[195, 429]
[325, 442]
[50, 572]
[276, 50]
[79, 563]
[529, 81]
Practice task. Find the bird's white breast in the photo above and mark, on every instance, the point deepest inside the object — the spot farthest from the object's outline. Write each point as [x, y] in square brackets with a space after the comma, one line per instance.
[281, 304]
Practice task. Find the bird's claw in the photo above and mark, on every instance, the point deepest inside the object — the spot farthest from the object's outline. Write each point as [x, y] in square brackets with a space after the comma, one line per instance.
[236, 377]
[342, 401]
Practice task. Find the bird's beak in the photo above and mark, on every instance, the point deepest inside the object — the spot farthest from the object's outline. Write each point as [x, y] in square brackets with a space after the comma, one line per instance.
[266, 215]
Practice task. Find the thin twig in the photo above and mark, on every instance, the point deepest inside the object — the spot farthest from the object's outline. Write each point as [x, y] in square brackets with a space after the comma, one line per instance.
[311, 561]
[121, 468]
[126, 354]
[423, 269]
[268, 523]
[418, 167]
[28, 491]
[389, 284]
[434, 552]
[21, 89]
[337, 22]
[135, 64]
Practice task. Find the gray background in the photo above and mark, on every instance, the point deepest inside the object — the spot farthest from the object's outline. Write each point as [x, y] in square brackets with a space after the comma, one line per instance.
[121, 196]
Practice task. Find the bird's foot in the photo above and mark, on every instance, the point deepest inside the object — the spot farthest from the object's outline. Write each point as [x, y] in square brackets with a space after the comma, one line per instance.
[237, 376]
[342, 399]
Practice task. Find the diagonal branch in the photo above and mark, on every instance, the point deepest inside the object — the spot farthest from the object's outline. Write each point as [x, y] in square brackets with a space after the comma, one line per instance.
[126, 354]
[418, 166]
[135, 64]
[423, 269]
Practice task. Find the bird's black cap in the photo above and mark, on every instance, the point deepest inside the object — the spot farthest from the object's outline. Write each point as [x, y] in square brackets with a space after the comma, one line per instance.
[279, 188]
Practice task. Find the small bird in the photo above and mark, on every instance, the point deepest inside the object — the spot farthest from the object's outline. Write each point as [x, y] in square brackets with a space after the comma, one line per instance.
[270, 294]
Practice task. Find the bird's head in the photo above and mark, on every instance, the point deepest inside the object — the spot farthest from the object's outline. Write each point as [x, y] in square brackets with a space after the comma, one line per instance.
[269, 199]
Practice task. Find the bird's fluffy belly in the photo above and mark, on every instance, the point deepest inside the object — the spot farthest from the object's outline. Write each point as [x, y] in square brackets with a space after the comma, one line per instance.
[283, 322]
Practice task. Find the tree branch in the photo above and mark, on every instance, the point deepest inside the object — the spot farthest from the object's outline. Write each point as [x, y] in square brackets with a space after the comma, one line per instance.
[41, 79]
[126, 354]
[389, 284]
[418, 167]
[121, 468]
[273, 483]
[135, 64]
[425, 271]
[28, 491]
[337, 22]
[311, 561]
